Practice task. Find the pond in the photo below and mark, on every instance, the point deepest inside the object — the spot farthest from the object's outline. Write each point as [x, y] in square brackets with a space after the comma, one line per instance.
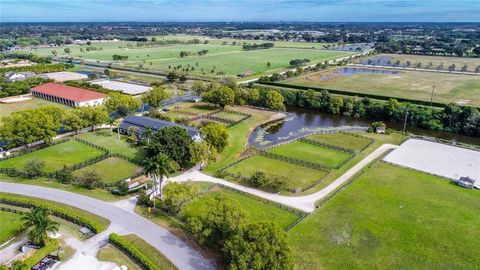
[355, 70]
[299, 122]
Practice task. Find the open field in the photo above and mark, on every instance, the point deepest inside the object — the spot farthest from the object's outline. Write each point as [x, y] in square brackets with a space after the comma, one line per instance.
[462, 89]
[429, 62]
[392, 218]
[113, 144]
[7, 109]
[296, 176]
[67, 153]
[341, 140]
[254, 209]
[112, 170]
[110, 253]
[229, 116]
[158, 258]
[312, 153]
[11, 225]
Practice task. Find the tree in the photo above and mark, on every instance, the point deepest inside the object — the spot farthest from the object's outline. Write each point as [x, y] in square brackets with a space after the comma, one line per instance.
[111, 122]
[182, 78]
[67, 50]
[259, 246]
[221, 97]
[172, 76]
[274, 100]
[199, 87]
[64, 175]
[39, 224]
[155, 97]
[73, 121]
[202, 152]
[172, 141]
[147, 133]
[18, 265]
[121, 103]
[34, 168]
[157, 167]
[178, 194]
[215, 135]
[476, 51]
[89, 178]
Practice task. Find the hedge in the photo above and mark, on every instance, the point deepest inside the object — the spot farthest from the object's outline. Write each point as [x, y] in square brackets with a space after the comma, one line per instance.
[57, 210]
[39, 254]
[133, 252]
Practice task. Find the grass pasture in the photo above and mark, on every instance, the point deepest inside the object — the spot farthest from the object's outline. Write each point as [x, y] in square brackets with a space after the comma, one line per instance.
[325, 156]
[112, 169]
[296, 176]
[254, 209]
[229, 116]
[11, 226]
[392, 218]
[461, 89]
[342, 140]
[55, 156]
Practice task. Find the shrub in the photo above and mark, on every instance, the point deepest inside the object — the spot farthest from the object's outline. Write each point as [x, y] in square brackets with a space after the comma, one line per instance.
[133, 251]
[42, 252]
[89, 178]
[142, 198]
[64, 175]
[33, 168]
[122, 188]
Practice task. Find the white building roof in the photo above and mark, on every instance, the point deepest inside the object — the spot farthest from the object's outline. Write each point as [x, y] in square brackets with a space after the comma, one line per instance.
[127, 88]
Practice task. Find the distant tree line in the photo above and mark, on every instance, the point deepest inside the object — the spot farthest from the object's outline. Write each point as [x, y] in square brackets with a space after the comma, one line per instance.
[16, 88]
[117, 57]
[39, 68]
[261, 46]
[27, 56]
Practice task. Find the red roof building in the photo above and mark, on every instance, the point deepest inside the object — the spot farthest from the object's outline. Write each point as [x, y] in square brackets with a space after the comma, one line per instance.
[68, 95]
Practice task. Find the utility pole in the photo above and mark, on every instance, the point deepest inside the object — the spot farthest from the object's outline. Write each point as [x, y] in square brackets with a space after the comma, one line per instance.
[433, 91]
[405, 122]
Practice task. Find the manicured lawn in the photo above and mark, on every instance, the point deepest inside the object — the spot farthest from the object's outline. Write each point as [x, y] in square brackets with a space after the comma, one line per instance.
[112, 169]
[229, 116]
[392, 218]
[312, 153]
[9, 108]
[151, 252]
[197, 108]
[296, 176]
[11, 225]
[254, 209]
[67, 153]
[113, 144]
[342, 140]
[110, 253]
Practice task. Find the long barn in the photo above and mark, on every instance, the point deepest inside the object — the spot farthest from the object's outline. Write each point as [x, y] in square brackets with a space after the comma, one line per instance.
[68, 95]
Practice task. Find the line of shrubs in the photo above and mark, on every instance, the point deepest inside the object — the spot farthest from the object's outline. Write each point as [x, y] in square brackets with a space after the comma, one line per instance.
[133, 251]
[56, 210]
[327, 145]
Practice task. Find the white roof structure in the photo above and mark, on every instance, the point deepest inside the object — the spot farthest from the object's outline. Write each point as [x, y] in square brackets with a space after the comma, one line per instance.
[65, 76]
[436, 158]
[127, 88]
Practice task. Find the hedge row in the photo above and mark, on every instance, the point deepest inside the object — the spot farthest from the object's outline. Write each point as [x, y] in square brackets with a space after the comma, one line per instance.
[295, 161]
[327, 145]
[57, 210]
[133, 252]
[39, 254]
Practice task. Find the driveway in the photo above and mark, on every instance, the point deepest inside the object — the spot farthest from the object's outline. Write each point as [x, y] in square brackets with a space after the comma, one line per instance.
[176, 250]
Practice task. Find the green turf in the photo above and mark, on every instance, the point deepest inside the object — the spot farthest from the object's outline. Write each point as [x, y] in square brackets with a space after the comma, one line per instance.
[296, 176]
[67, 153]
[342, 140]
[113, 144]
[312, 153]
[462, 89]
[254, 209]
[229, 116]
[392, 218]
[11, 225]
[112, 169]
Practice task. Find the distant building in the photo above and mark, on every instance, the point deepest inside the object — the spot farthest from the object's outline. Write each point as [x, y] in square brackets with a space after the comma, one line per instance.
[64, 76]
[246, 74]
[466, 182]
[68, 95]
[142, 122]
[12, 76]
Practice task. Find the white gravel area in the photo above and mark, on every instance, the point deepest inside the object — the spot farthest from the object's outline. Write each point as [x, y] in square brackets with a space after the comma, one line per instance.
[436, 158]
[127, 88]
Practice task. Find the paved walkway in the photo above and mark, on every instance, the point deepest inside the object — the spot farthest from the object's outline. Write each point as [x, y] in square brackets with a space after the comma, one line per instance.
[305, 203]
[176, 250]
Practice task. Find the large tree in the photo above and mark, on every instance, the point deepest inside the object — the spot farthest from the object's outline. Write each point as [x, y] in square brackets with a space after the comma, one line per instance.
[173, 141]
[121, 103]
[258, 246]
[202, 152]
[221, 97]
[216, 135]
[157, 167]
[155, 97]
[274, 101]
[178, 194]
[39, 224]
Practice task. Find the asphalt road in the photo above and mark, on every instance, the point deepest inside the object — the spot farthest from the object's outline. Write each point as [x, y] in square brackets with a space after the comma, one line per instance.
[176, 250]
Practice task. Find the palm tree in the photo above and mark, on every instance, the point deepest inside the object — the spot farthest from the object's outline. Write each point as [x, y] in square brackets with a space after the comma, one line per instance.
[40, 224]
[112, 122]
[19, 265]
[147, 133]
[157, 167]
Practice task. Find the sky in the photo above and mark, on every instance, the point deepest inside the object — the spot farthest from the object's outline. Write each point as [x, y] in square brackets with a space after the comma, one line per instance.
[240, 10]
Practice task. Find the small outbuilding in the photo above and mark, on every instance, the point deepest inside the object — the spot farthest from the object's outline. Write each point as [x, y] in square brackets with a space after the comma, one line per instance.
[466, 182]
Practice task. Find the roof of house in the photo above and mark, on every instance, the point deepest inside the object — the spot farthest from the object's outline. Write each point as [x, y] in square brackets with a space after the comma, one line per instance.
[68, 92]
[141, 122]
[467, 179]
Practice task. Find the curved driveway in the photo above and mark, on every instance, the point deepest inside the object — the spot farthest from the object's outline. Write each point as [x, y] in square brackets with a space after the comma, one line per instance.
[177, 251]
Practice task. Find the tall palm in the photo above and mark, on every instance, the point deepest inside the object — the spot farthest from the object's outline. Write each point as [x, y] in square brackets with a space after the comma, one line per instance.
[111, 122]
[147, 133]
[157, 167]
[40, 225]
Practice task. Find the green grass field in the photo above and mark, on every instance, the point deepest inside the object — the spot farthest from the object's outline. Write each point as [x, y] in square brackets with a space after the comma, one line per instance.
[7, 109]
[392, 218]
[462, 89]
[112, 169]
[254, 209]
[110, 253]
[11, 225]
[296, 176]
[341, 140]
[113, 144]
[312, 153]
[229, 116]
[67, 153]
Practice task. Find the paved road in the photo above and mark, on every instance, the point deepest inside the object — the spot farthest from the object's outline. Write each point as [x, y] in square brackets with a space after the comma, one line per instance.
[177, 251]
[305, 203]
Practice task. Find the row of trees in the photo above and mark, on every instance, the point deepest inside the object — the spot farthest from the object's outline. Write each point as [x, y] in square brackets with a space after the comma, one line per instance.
[117, 57]
[261, 46]
[38, 68]
[19, 87]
